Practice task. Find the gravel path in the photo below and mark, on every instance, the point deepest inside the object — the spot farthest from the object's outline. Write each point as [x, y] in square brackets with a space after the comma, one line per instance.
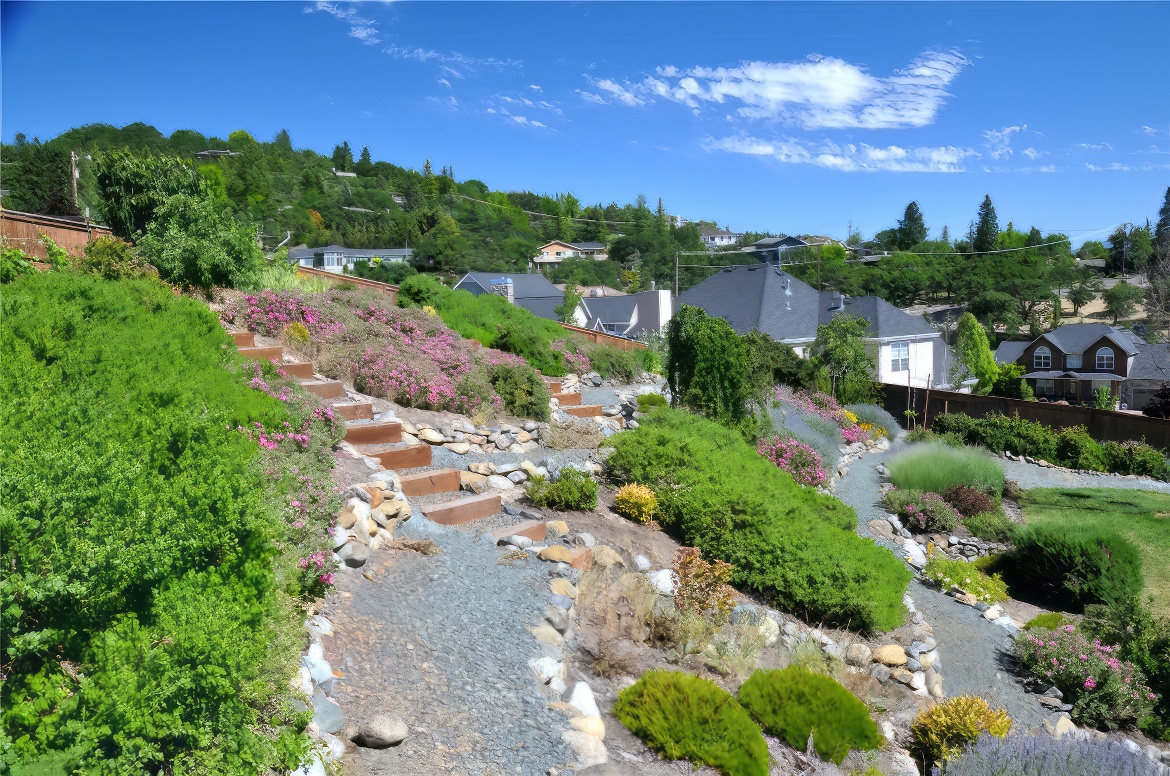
[442, 641]
[1031, 476]
[970, 648]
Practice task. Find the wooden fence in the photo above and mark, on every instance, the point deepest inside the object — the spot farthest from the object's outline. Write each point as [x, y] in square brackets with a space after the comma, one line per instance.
[24, 230]
[602, 338]
[1103, 425]
[385, 289]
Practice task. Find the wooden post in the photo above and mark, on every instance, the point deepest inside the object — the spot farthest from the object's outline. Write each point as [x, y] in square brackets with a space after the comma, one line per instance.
[926, 407]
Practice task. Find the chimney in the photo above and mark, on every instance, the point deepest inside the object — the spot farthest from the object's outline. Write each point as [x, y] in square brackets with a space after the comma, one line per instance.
[504, 287]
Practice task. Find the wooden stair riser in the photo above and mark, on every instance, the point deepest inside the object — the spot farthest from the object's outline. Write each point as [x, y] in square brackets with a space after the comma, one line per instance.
[536, 530]
[554, 386]
[430, 483]
[384, 433]
[354, 410]
[411, 457]
[585, 411]
[463, 510]
[326, 389]
[263, 354]
[244, 339]
[303, 371]
[567, 399]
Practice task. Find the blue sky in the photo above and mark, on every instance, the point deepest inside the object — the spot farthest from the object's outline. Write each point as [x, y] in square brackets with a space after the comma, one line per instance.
[791, 117]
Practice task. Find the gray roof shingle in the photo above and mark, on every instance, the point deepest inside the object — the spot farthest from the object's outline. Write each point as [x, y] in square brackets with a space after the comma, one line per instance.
[1075, 337]
[611, 309]
[1151, 363]
[1009, 350]
[524, 286]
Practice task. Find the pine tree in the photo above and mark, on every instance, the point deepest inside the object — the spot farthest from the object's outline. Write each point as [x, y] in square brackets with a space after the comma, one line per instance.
[987, 229]
[342, 157]
[430, 186]
[911, 229]
[946, 234]
[365, 165]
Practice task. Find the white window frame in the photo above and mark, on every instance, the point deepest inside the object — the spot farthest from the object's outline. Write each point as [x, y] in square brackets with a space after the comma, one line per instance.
[1044, 353]
[899, 362]
[1106, 359]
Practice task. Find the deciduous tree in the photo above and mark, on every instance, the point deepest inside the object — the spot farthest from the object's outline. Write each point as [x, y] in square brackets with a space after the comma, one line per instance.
[1121, 301]
[974, 351]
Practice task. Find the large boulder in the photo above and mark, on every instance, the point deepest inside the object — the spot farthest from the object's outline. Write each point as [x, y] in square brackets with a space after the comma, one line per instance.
[380, 732]
[890, 655]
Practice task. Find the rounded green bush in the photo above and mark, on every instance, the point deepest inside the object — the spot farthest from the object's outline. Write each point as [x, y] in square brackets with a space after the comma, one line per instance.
[681, 716]
[1070, 565]
[795, 703]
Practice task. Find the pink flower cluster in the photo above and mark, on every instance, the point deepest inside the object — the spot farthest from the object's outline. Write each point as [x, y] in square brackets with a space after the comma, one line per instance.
[1102, 688]
[823, 406]
[796, 458]
[319, 560]
[271, 312]
[854, 433]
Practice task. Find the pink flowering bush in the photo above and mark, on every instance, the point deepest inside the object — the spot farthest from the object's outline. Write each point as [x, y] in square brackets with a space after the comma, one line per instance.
[405, 355]
[796, 458]
[1103, 690]
[824, 406]
[923, 512]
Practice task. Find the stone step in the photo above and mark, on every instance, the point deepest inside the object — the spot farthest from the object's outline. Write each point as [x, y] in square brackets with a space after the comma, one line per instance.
[263, 354]
[326, 389]
[411, 457]
[430, 482]
[244, 339]
[584, 411]
[354, 410]
[536, 530]
[387, 432]
[463, 510]
[567, 399]
[303, 371]
[554, 386]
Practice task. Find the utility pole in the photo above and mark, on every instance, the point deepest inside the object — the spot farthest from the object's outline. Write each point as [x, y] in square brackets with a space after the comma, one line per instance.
[676, 274]
[73, 174]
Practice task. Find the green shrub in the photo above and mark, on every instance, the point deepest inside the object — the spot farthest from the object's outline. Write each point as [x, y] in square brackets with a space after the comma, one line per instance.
[923, 512]
[795, 703]
[794, 546]
[1134, 458]
[636, 502]
[1074, 565]
[521, 339]
[1077, 450]
[945, 573]
[993, 526]
[524, 393]
[940, 733]
[681, 716]
[150, 547]
[114, 259]
[1000, 432]
[932, 468]
[706, 367]
[1046, 621]
[571, 490]
[422, 291]
[613, 364]
[648, 401]
[14, 263]
[192, 243]
[968, 501]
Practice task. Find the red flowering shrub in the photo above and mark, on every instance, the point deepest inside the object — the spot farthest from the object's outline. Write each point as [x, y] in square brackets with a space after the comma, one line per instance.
[796, 458]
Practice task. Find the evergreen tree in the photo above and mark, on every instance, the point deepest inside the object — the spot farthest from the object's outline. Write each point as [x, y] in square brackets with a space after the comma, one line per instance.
[911, 229]
[283, 143]
[342, 157]
[946, 234]
[365, 165]
[430, 186]
[567, 309]
[987, 228]
[974, 352]
[1162, 230]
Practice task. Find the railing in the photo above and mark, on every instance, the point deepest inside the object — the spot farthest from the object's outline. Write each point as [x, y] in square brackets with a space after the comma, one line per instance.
[602, 338]
[385, 289]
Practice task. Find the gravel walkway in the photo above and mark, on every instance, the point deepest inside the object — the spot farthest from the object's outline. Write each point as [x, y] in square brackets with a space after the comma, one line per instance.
[443, 641]
[1031, 476]
[970, 648]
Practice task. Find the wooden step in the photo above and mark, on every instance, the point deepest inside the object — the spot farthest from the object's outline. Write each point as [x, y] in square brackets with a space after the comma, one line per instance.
[275, 353]
[584, 411]
[536, 530]
[326, 389]
[244, 339]
[554, 386]
[303, 371]
[387, 432]
[354, 410]
[463, 510]
[404, 457]
[430, 482]
[567, 399]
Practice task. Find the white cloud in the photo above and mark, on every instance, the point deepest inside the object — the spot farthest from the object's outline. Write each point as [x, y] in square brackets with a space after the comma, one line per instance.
[451, 57]
[1032, 153]
[445, 82]
[535, 88]
[819, 93]
[359, 27]
[848, 157]
[591, 97]
[1000, 141]
[450, 71]
[1094, 146]
[620, 93]
[367, 35]
[1145, 130]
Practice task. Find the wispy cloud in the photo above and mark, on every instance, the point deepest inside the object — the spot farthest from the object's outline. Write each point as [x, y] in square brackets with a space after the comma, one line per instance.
[999, 141]
[818, 93]
[591, 97]
[1120, 167]
[1093, 146]
[419, 54]
[535, 88]
[848, 157]
[1148, 130]
[361, 28]
[445, 82]
[1032, 153]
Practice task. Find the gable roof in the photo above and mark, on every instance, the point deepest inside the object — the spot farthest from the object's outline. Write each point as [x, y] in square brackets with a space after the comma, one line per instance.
[1151, 363]
[1075, 337]
[610, 309]
[580, 246]
[788, 310]
[526, 286]
[1010, 350]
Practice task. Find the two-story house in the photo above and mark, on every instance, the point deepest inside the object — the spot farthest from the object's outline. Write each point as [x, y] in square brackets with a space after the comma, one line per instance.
[1072, 361]
[553, 253]
[718, 238]
[338, 258]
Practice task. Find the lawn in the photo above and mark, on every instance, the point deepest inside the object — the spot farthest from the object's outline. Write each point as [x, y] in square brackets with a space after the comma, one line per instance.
[1141, 516]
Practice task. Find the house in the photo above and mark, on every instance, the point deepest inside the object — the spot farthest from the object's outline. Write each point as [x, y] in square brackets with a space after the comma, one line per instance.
[628, 315]
[532, 292]
[553, 253]
[593, 290]
[336, 258]
[341, 174]
[1072, 361]
[718, 238]
[766, 298]
[770, 249]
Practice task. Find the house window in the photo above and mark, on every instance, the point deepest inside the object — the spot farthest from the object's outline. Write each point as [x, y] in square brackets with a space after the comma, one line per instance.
[1105, 360]
[1072, 361]
[900, 357]
[1042, 358]
[560, 253]
[1044, 388]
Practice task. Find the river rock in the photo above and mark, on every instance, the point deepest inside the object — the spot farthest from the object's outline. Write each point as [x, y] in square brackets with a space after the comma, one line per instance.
[556, 554]
[459, 448]
[890, 655]
[562, 586]
[354, 555]
[556, 528]
[327, 715]
[587, 750]
[430, 436]
[858, 655]
[581, 698]
[483, 467]
[592, 726]
[663, 581]
[605, 556]
[380, 732]
[500, 483]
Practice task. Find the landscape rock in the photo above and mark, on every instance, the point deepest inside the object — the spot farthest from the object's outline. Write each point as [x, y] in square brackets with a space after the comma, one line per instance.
[473, 481]
[561, 586]
[460, 448]
[641, 563]
[663, 581]
[587, 749]
[556, 554]
[880, 672]
[485, 468]
[858, 654]
[581, 698]
[547, 634]
[770, 630]
[556, 528]
[890, 655]
[584, 540]
[547, 668]
[327, 715]
[592, 726]
[582, 559]
[354, 555]
[880, 528]
[500, 483]
[430, 436]
[380, 732]
[604, 557]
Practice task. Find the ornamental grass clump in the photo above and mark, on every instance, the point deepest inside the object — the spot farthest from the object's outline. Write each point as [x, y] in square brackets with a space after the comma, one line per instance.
[685, 717]
[932, 468]
[637, 502]
[795, 703]
[1104, 690]
[796, 458]
[940, 733]
[1043, 755]
[923, 512]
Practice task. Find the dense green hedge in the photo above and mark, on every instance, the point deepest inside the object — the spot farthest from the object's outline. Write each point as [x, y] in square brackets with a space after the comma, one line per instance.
[1074, 565]
[150, 582]
[793, 545]
[1071, 447]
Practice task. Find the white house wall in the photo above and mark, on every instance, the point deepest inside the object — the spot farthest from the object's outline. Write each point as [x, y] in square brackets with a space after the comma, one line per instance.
[921, 364]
